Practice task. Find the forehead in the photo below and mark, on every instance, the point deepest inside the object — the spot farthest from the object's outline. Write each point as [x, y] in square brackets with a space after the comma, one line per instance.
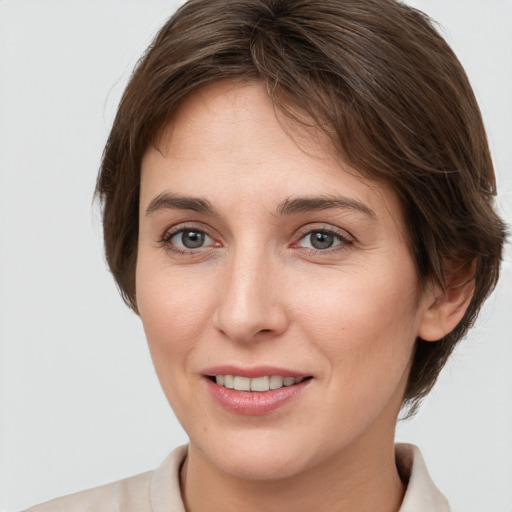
[227, 117]
[230, 142]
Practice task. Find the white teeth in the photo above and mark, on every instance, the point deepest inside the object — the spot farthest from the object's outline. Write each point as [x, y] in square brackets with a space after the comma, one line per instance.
[276, 382]
[242, 383]
[259, 384]
[289, 381]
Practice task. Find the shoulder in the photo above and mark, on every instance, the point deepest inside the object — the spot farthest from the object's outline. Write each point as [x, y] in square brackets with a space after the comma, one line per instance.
[147, 492]
[126, 495]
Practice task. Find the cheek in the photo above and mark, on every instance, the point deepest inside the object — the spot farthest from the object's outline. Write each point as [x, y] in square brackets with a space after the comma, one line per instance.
[364, 324]
[174, 313]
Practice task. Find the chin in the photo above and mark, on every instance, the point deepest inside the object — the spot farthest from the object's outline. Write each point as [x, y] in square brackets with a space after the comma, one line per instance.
[258, 457]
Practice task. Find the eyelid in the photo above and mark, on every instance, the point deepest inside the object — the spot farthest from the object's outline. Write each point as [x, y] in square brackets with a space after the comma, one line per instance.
[172, 231]
[181, 226]
[344, 237]
[327, 228]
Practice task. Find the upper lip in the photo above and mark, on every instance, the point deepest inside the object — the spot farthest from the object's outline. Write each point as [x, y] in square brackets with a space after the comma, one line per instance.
[252, 371]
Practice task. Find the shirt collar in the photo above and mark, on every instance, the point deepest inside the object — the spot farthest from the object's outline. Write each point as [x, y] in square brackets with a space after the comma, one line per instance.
[421, 494]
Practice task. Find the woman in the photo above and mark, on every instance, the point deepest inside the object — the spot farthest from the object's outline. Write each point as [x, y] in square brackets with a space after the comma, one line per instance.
[298, 204]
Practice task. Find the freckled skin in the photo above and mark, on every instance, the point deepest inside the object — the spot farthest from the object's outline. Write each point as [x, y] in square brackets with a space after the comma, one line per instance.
[258, 293]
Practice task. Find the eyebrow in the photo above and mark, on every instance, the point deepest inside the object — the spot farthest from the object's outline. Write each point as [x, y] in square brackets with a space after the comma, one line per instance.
[167, 201]
[289, 206]
[305, 204]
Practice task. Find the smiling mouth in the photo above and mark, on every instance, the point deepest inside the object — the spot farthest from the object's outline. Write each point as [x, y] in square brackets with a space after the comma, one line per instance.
[256, 384]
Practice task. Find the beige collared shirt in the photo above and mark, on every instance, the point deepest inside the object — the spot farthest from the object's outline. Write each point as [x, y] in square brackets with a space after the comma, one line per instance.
[159, 491]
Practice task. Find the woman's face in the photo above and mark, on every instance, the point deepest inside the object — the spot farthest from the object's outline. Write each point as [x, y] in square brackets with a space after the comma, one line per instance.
[260, 257]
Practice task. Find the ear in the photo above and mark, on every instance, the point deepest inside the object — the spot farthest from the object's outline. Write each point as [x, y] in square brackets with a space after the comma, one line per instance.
[446, 305]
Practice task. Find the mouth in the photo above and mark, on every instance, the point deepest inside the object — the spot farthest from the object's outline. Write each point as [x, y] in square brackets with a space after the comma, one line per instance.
[256, 384]
[255, 390]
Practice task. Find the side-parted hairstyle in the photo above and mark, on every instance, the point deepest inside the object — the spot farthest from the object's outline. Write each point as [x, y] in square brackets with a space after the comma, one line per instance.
[378, 78]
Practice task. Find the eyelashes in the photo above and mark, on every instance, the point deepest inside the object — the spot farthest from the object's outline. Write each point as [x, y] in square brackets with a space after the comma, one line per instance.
[188, 239]
[191, 240]
[325, 239]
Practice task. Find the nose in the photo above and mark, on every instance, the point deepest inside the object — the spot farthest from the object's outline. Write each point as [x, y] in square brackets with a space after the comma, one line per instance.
[251, 301]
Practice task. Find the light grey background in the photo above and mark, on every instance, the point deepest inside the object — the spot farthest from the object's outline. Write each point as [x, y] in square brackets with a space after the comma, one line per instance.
[79, 402]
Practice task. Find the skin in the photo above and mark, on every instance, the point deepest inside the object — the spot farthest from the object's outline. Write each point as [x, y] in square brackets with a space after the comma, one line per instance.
[258, 293]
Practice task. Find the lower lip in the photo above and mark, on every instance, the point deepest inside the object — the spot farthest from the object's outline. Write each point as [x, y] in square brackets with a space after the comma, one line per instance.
[254, 403]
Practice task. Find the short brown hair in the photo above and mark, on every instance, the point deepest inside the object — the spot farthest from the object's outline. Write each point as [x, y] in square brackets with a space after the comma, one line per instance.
[378, 78]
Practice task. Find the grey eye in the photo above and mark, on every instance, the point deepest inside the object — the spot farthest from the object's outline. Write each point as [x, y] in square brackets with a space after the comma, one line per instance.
[321, 240]
[190, 239]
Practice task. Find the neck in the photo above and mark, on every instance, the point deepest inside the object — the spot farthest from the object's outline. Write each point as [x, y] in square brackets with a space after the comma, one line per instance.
[357, 479]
